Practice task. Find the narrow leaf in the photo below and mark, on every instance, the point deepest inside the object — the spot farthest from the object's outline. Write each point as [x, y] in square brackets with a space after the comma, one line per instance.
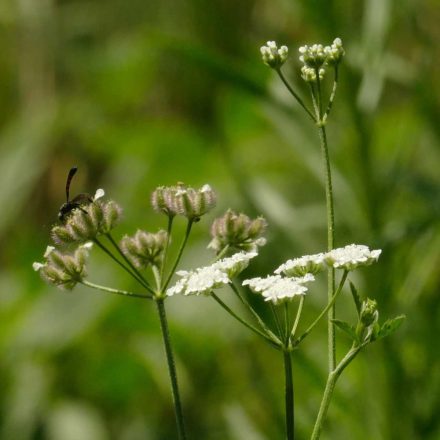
[356, 298]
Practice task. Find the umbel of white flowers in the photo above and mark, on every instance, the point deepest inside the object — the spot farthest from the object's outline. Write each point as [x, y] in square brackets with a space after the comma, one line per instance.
[289, 280]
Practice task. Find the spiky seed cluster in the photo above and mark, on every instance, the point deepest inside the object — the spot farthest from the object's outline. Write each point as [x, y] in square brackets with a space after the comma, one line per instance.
[237, 231]
[182, 200]
[64, 270]
[87, 222]
[273, 56]
[205, 279]
[316, 57]
[278, 289]
[145, 248]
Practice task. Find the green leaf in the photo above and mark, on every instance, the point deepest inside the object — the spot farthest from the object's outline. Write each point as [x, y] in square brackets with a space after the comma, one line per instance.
[390, 326]
[346, 328]
[356, 298]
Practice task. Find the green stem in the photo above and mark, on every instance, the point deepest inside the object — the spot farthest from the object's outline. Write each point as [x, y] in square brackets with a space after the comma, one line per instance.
[179, 255]
[289, 396]
[222, 253]
[268, 339]
[171, 369]
[327, 308]
[260, 321]
[167, 245]
[332, 96]
[127, 260]
[115, 291]
[105, 250]
[294, 94]
[276, 319]
[298, 315]
[287, 322]
[330, 245]
[330, 386]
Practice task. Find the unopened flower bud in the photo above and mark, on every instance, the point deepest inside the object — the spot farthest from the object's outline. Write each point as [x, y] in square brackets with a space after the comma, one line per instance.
[369, 313]
[308, 74]
[144, 248]
[86, 223]
[272, 56]
[335, 52]
[237, 231]
[313, 56]
[64, 270]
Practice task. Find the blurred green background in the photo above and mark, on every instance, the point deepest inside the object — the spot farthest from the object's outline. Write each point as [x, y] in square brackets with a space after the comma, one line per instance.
[143, 93]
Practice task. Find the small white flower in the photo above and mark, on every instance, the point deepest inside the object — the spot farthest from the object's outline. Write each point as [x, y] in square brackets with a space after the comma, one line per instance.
[48, 251]
[352, 256]
[277, 289]
[37, 266]
[235, 264]
[308, 264]
[203, 280]
[200, 281]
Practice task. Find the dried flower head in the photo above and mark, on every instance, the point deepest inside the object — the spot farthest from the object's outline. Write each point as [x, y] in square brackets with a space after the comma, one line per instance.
[301, 266]
[237, 231]
[278, 289]
[64, 270]
[163, 200]
[86, 223]
[145, 248]
[203, 280]
[272, 56]
[352, 256]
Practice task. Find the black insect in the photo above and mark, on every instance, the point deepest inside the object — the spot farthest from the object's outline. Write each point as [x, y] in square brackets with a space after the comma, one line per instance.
[76, 203]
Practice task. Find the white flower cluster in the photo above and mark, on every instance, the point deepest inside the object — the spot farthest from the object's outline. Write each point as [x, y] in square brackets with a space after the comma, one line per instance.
[316, 57]
[277, 289]
[202, 280]
[352, 256]
[272, 56]
[349, 258]
[303, 265]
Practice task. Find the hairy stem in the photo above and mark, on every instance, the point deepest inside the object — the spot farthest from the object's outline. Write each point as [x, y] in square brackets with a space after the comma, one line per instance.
[171, 369]
[115, 291]
[289, 396]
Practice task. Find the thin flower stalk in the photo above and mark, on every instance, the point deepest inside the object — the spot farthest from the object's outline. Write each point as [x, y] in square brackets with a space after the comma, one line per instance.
[115, 291]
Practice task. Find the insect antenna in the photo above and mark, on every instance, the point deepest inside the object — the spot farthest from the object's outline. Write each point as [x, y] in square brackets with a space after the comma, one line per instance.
[72, 172]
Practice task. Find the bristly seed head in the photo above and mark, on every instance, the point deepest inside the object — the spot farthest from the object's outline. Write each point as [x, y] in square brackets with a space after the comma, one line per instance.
[183, 200]
[238, 232]
[145, 248]
[64, 270]
[86, 223]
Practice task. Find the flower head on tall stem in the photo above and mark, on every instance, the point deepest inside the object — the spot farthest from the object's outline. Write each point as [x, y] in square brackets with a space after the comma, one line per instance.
[273, 56]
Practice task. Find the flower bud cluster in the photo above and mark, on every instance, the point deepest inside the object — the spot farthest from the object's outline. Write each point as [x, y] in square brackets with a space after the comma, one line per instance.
[273, 56]
[87, 222]
[237, 231]
[182, 200]
[316, 57]
[369, 313]
[64, 270]
[145, 248]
